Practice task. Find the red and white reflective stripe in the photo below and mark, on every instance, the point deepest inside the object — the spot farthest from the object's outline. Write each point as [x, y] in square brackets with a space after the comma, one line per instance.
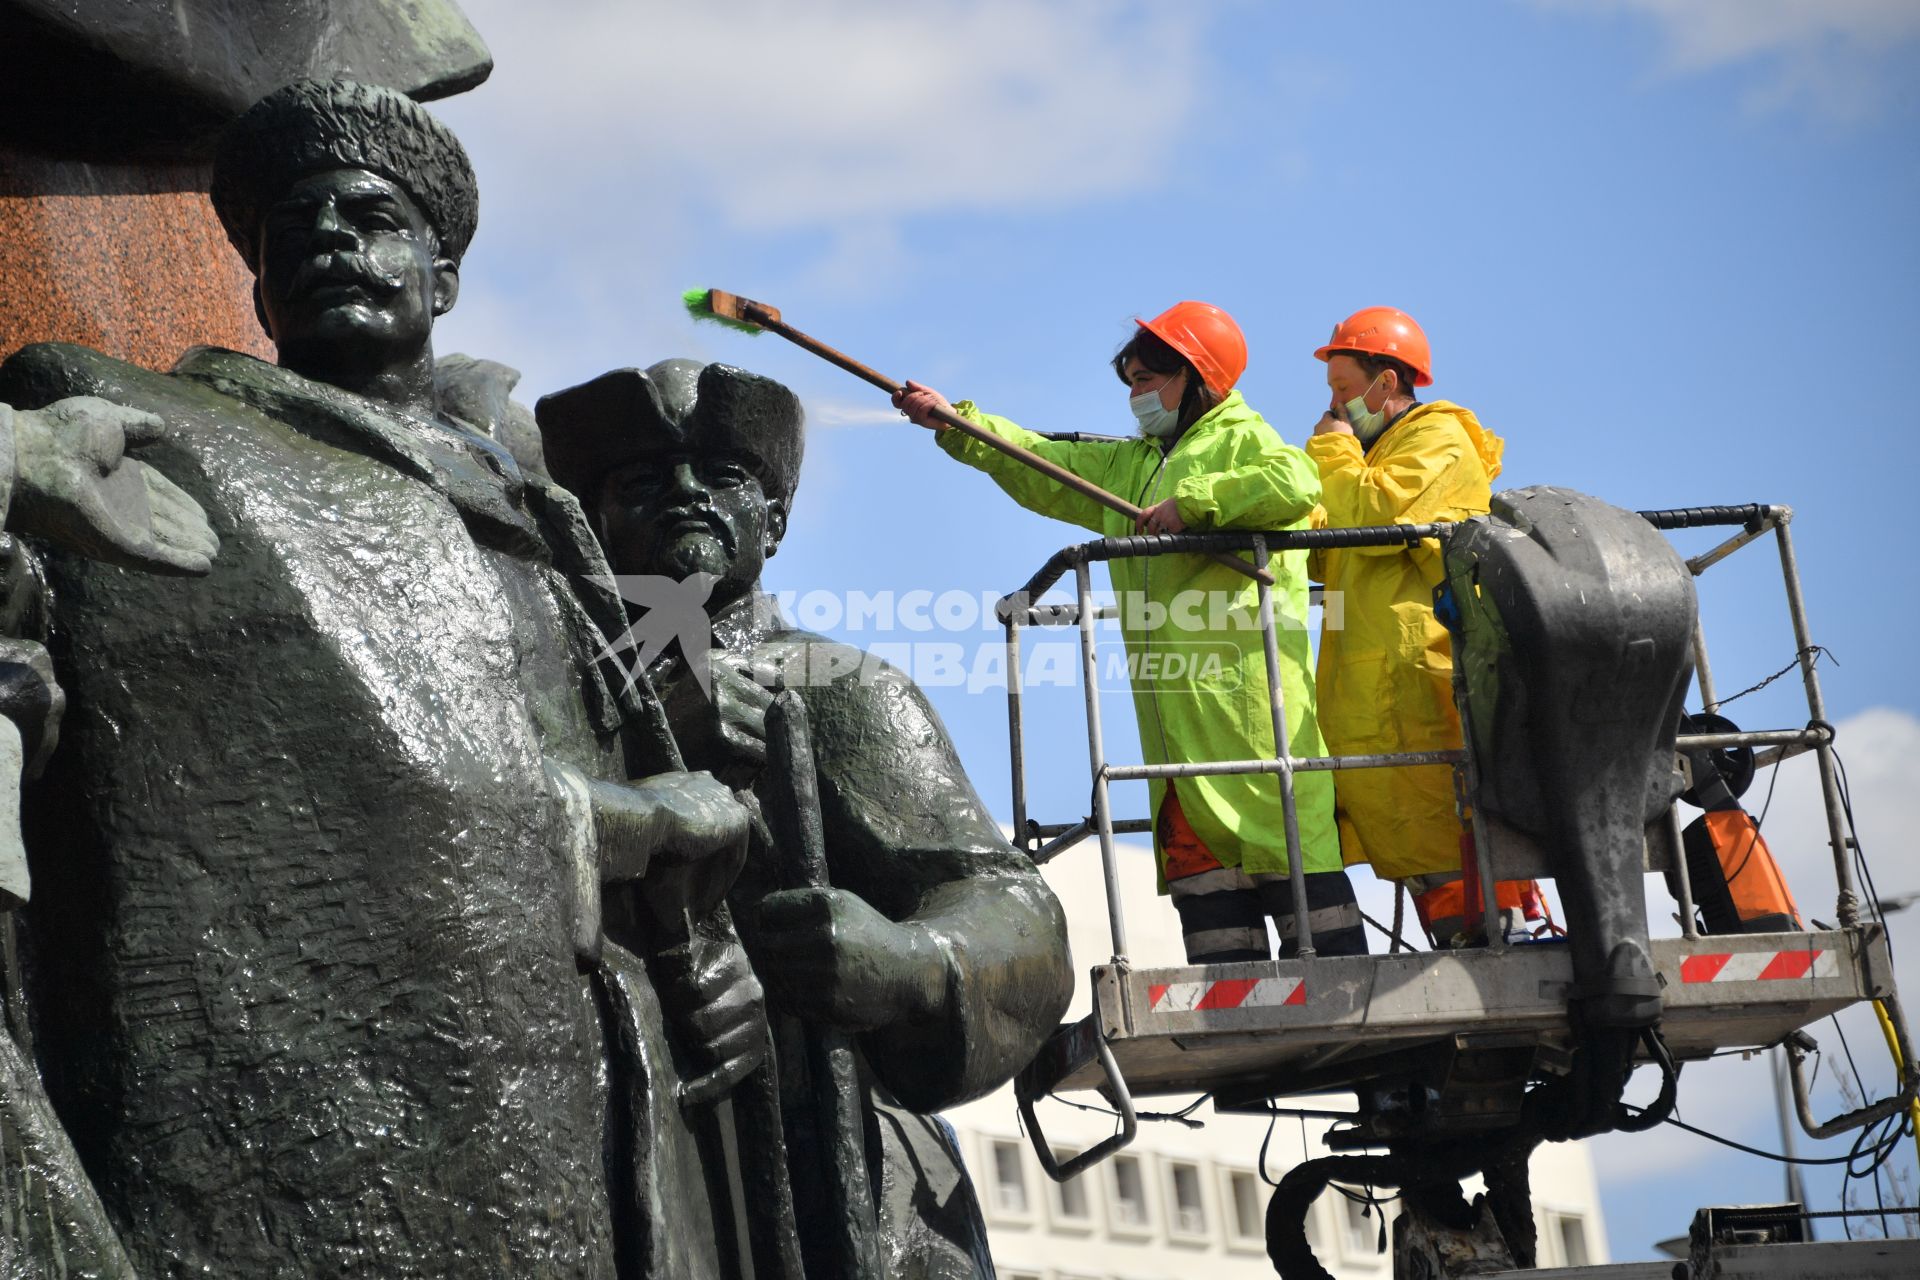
[1228, 993]
[1760, 966]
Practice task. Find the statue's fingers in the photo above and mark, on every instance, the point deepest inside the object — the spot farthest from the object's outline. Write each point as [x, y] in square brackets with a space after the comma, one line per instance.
[139, 426]
[177, 518]
[140, 549]
[754, 686]
[751, 747]
[150, 555]
[184, 531]
[161, 558]
[726, 1031]
[719, 1082]
[187, 564]
[111, 520]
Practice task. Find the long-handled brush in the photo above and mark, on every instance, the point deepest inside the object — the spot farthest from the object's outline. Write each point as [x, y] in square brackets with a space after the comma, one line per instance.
[745, 314]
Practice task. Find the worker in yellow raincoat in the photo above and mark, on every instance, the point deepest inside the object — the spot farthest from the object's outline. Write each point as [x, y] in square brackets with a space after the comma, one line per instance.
[1386, 664]
[1203, 459]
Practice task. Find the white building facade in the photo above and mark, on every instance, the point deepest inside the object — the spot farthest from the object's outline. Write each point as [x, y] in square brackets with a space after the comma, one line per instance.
[1186, 1202]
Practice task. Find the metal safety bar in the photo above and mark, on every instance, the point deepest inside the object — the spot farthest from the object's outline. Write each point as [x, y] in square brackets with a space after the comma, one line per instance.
[1018, 610]
[1116, 1088]
[1290, 815]
[1154, 544]
[1281, 764]
[1757, 520]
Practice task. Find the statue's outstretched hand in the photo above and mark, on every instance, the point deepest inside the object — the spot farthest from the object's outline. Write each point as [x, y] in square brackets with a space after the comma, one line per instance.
[75, 486]
[825, 954]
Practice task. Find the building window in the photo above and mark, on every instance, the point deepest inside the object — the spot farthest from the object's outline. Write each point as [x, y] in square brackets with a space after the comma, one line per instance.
[1246, 1212]
[1129, 1195]
[1072, 1199]
[1009, 1175]
[1186, 1210]
[1572, 1231]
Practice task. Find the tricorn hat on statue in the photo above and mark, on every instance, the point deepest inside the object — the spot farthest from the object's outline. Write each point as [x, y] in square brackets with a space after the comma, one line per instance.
[675, 406]
[311, 126]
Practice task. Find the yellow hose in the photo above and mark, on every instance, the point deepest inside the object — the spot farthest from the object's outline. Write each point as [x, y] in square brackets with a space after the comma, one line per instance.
[1899, 1068]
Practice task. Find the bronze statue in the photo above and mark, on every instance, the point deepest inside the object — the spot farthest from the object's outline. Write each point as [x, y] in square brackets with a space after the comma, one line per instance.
[65, 478]
[933, 943]
[315, 950]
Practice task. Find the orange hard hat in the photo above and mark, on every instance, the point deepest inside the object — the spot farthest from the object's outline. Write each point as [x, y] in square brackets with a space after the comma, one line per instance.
[1384, 331]
[1207, 337]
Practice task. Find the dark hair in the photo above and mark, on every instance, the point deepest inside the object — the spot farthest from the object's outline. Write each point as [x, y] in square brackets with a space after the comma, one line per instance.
[1156, 355]
[1374, 365]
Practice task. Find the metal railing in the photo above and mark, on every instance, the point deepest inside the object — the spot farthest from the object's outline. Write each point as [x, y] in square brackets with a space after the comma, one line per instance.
[1019, 610]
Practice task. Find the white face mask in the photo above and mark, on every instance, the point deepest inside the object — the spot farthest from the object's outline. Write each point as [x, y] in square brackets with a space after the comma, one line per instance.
[1155, 418]
[1366, 423]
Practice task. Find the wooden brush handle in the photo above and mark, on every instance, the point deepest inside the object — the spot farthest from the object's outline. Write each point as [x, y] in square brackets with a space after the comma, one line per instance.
[768, 319]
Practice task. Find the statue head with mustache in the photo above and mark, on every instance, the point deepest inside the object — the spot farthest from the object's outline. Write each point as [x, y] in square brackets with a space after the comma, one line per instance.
[352, 205]
[688, 468]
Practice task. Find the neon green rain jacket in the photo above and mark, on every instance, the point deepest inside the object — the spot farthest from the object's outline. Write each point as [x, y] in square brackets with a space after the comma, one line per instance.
[1230, 470]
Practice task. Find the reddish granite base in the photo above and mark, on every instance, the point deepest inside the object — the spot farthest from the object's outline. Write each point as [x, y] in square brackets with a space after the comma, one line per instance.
[125, 258]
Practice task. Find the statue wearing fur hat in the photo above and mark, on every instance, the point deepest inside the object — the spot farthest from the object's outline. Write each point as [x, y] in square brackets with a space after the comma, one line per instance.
[320, 980]
[932, 943]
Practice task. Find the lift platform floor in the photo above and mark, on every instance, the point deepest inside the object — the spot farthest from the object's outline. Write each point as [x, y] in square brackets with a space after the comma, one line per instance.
[1281, 1028]
[1823, 1260]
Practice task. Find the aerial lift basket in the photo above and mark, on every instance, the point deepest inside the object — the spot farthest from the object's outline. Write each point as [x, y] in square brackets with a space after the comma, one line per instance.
[1468, 1034]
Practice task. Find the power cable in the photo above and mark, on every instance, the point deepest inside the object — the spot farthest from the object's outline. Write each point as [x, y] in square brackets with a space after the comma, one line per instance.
[1183, 1116]
[1756, 1151]
[1392, 934]
[1267, 1141]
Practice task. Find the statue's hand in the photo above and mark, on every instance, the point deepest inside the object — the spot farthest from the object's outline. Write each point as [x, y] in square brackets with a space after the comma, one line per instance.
[828, 956]
[668, 820]
[682, 836]
[76, 487]
[718, 1011]
[728, 730]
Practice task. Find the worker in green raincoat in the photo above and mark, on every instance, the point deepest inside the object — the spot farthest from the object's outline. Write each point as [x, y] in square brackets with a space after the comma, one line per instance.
[1203, 460]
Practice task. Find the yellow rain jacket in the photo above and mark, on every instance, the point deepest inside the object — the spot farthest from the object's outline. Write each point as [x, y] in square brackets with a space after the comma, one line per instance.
[1230, 470]
[1386, 664]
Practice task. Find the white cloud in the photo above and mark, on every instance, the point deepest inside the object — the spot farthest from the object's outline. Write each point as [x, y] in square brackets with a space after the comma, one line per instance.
[772, 114]
[1833, 56]
[1706, 33]
[1880, 749]
[628, 151]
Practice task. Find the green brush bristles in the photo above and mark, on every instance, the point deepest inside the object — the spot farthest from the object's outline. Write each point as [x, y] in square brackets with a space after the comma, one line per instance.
[696, 300]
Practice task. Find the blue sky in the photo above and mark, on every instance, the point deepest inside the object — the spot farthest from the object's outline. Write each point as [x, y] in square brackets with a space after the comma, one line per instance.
[1664, 247]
